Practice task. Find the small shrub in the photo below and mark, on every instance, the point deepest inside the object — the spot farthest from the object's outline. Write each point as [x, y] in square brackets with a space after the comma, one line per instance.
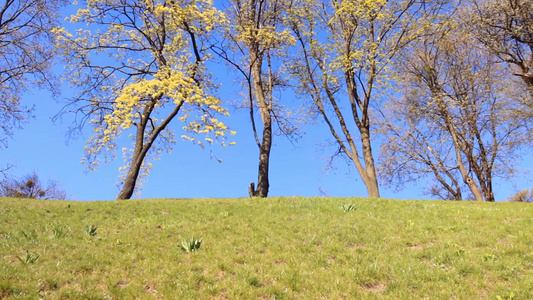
[91, 229]
[409, 224]
[509, 297]
[347, 207]
[489, 257]
[59, 231]
[30, 258]
[522, 196]
[253, 281]
[191, 245]
[30, 235]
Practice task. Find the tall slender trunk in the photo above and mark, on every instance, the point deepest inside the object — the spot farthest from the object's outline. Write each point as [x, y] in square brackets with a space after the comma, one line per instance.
[488, 192]
[264, 151]
[460, 164]
[264, 161]
[265, 108]
[483, 170]
[368, 171]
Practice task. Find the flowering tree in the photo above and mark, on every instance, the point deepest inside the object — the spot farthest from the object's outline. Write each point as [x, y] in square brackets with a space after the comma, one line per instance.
[345, 49]
[255, 41]
[138, 64]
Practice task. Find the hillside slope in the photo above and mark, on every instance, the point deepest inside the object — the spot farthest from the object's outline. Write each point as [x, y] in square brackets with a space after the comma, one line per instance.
[274, 248]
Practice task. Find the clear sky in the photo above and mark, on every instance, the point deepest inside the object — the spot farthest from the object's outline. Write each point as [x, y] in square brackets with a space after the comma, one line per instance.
[189, 171]
[298, 169]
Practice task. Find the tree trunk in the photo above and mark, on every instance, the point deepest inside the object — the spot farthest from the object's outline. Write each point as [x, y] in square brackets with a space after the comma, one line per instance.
[136, 163]
[142, 147]
[458, 147]
[372, 187]
[490, 196]
[370, 179]
[487, 189]
[264, 161]
[265, 108]
[131, 180]
[474, 188]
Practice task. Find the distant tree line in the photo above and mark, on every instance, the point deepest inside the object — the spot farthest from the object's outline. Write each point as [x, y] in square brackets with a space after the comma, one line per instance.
[409, 90]
[30, 186]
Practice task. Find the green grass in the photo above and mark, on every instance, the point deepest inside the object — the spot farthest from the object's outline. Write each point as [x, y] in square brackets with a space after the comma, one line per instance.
[276, 248]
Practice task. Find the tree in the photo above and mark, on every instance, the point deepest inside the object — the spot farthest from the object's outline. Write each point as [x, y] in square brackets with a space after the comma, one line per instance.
[454, 122]
[4, 170]
[26, 55]
[30, 186]
[137, 65]
[506, 28]
[255, 39]
[345, 48]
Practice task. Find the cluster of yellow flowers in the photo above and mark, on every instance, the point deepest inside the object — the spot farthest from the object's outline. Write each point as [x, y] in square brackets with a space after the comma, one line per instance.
[178, 80]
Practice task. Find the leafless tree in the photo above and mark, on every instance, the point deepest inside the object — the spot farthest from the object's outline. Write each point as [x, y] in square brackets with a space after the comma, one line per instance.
[453, 123]
[26, 55]
[506, 28]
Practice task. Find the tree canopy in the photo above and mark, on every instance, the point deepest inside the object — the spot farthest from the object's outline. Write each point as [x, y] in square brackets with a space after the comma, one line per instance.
[143, 65]
[26, 55]
[443, 88]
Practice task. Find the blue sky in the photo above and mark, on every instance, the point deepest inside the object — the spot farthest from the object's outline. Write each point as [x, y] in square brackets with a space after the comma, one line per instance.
[189, 171]
[298, 169]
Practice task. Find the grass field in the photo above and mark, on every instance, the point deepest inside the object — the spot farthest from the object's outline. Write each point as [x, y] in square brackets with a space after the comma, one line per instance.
[276, 248]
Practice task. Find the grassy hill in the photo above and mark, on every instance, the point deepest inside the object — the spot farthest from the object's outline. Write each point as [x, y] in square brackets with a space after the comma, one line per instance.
[276, 248]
